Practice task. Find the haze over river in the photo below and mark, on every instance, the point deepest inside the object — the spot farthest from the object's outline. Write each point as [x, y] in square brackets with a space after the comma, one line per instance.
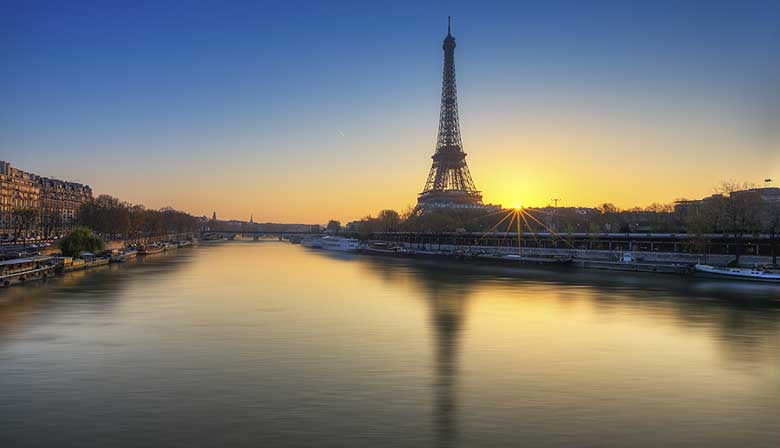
[272, 344]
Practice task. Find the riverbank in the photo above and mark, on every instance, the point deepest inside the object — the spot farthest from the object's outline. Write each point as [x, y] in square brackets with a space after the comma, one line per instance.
[32, 267]
[681, 264]
[620, 260]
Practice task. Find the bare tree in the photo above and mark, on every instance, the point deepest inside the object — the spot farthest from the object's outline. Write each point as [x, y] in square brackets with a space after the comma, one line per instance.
[333, 226]
[739, 212]
[23, 220]
[609, 216]
[389, 220]
[661, 217]
[51, 222]
[700, 220]
[771, 225]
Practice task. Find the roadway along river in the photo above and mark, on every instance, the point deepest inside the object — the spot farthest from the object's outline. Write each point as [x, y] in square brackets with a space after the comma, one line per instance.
[271, 344]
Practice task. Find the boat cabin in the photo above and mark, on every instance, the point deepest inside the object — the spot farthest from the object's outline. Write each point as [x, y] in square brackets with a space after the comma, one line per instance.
[20, 265]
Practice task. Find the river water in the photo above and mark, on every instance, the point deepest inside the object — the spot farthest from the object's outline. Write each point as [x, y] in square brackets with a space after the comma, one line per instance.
[272, 344]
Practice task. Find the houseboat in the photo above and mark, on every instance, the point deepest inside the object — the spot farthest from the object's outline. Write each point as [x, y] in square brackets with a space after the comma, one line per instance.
[85, 260]
[21, 270]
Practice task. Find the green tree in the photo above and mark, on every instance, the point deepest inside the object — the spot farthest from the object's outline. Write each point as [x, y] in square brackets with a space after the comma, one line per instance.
[78, 241]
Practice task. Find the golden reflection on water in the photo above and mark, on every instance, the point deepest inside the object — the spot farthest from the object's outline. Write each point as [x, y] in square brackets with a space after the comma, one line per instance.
[360, 350]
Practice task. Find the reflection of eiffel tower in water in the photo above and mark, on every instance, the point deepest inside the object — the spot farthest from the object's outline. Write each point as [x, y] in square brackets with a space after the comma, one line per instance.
[447, 320]
[446, 297]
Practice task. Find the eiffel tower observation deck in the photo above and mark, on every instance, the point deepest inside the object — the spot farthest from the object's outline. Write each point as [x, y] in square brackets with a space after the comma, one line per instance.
[449, 183]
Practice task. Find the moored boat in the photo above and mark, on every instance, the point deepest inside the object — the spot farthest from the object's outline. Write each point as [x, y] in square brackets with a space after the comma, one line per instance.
[433, 254]
[314, 242]
[340, 244]
[125, 255]
[523, 259]
[20, 270]
[382, 248]
[151, 249]
[85, 260]
[112, 255]
[752, 274]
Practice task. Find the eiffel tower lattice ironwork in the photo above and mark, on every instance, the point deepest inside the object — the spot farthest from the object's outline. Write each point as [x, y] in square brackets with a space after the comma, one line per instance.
[449, 183]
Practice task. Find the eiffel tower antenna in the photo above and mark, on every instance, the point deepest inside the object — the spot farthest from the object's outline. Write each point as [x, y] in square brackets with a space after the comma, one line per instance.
[449, 183]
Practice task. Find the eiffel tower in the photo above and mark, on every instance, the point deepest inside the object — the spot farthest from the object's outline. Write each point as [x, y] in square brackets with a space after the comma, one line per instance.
[449, 183]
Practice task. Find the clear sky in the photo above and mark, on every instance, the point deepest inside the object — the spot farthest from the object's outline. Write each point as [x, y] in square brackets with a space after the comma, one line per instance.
[304, 111]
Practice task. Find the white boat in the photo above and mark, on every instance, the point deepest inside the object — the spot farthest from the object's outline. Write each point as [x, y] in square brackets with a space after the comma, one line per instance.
[383, 248]
[341, 244]
[755, 274]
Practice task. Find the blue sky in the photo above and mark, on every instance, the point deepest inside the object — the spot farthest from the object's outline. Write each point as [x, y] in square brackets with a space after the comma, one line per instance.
[307, 110]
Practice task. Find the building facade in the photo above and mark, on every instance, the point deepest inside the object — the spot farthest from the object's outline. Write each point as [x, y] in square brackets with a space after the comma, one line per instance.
[35, 206]
[767, 195]
[19, 194]
[58, 204]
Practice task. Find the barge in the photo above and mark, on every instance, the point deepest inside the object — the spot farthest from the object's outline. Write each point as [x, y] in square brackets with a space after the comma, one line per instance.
[85, 261]
[757, 274]
[514, 259]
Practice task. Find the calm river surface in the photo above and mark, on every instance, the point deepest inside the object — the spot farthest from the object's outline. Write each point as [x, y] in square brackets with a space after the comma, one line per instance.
[271, 344]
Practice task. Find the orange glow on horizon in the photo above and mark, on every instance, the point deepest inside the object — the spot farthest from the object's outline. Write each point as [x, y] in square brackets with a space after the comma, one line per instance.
[588, 165]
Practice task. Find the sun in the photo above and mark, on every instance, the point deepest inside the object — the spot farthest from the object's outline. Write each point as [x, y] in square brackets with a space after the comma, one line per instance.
[518, 206]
